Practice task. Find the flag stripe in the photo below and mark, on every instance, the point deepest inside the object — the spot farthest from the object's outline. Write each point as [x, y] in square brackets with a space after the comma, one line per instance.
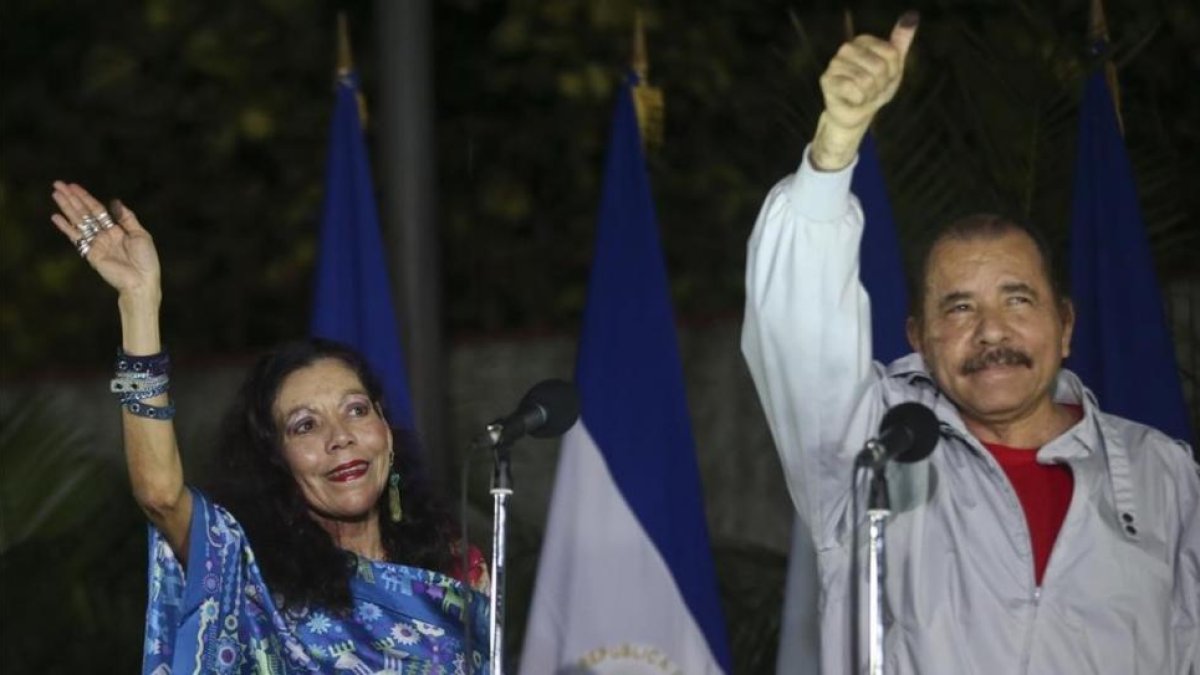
[1121, 349]
[352, 300]
[881, 267]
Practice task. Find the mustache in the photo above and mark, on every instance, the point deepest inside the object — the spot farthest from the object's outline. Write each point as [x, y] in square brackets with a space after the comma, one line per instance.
[1000, 356]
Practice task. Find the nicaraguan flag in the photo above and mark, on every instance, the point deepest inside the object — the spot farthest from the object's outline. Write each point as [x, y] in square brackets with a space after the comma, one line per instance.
[353, 299]
[881, 270]
[1121, 348]
[626, 581]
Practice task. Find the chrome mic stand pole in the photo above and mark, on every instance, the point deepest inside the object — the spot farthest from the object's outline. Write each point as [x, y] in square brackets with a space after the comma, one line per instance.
[878, 510]
[501, 491]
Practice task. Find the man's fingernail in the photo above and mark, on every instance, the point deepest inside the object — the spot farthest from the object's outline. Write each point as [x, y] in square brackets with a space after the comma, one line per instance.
[910, 19]
[117, 209]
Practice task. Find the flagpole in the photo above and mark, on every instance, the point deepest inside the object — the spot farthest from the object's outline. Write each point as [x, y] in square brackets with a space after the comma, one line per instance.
[407, 198]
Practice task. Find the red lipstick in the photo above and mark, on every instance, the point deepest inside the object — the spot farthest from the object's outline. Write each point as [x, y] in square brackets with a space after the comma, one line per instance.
[349, 471]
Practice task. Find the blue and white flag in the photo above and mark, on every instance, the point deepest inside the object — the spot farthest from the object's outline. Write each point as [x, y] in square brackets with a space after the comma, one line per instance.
[1121, 349]
[353, 299]
[626, 581]
[881, 271]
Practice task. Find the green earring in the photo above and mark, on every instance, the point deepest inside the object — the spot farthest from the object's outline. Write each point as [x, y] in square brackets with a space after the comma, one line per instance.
[394, 508]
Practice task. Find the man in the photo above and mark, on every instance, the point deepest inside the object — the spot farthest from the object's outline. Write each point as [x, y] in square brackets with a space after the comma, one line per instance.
[1042, 536]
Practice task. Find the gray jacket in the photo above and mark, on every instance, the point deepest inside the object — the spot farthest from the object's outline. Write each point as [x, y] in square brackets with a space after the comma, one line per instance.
[1121, 592]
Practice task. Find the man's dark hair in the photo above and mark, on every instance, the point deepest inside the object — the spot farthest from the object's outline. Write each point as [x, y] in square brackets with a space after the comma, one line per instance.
[252, 480]
[982, 226]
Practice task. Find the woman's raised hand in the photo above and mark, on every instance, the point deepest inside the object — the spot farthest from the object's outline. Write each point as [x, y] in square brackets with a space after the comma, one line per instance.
[122, 251]
[113, 242]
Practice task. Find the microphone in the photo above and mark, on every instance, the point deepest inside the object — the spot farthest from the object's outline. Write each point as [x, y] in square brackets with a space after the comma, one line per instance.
[908, 433]
[547, 410]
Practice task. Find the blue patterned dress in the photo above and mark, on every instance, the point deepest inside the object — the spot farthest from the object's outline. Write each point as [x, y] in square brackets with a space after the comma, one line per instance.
[220, 617]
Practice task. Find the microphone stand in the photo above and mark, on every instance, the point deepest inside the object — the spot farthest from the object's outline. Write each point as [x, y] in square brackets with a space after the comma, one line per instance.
[501, 491]
[878, 510]
[908, 433]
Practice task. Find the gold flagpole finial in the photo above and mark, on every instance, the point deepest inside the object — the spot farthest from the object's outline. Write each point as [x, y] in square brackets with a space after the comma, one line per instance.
[1098, 34]
[647, 100]
[641, 62]
[1097, 22]
[345, 59]
[345, 64]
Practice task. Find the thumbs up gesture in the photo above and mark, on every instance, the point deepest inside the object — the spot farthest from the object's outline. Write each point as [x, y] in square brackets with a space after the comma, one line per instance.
[862, 77]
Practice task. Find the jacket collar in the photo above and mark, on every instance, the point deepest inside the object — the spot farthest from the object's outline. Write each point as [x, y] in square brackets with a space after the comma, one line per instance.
[1094, 435]
[1087, 431]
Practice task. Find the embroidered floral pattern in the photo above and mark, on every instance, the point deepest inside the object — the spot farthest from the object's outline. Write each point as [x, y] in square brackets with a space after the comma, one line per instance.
[318, 624]
[405, 634]
[223, 619]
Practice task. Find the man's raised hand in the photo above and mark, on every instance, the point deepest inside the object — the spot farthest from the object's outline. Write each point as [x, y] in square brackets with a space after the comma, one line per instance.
[862, 77]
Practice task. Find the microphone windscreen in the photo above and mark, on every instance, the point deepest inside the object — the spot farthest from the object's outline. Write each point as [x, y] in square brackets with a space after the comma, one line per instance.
[920, 422]
[560, 403]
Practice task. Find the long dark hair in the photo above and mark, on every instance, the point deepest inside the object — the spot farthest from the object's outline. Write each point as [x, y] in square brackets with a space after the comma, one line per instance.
[251, 479]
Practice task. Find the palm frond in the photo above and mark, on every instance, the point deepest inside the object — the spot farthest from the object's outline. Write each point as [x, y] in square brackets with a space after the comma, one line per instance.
[66, 521]
[48, 475]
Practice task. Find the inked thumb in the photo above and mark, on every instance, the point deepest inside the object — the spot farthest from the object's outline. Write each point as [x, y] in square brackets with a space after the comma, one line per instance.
[904, 32]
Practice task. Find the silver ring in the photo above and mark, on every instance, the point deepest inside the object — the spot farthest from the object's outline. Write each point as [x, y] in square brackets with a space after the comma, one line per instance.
[83, 245]
[105, 220]
[89, 226]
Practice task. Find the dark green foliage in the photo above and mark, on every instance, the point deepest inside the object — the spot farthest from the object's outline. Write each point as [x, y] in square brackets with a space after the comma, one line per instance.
[208, 123]
[72, 551]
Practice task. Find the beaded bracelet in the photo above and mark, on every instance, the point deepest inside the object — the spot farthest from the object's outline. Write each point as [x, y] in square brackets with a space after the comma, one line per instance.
[139, 378]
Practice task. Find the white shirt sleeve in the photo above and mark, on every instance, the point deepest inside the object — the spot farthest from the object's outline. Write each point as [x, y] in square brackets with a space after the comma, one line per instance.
[807, 334]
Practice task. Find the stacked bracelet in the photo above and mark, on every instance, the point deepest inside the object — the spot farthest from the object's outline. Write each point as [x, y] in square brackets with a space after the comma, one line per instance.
[153, 412]
[142, 366]
[139, 378]
[139, 388]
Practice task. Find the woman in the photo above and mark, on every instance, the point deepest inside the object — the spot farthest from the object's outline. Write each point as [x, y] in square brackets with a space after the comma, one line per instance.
[346, 571]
